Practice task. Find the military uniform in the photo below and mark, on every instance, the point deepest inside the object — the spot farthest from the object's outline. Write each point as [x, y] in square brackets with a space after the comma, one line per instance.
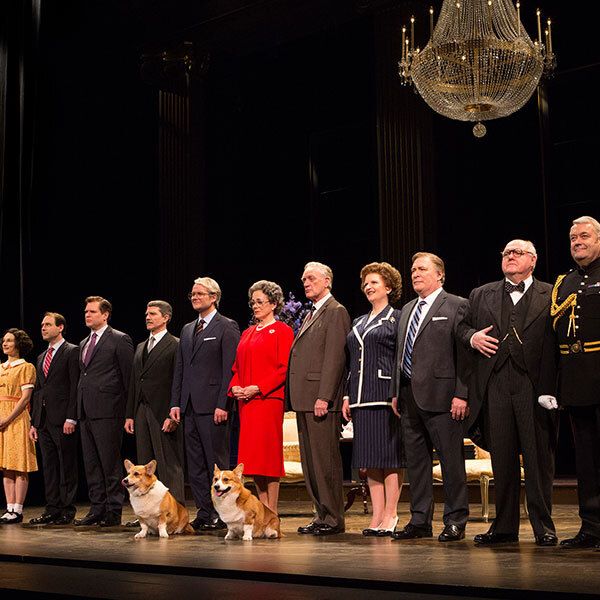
[576, 314]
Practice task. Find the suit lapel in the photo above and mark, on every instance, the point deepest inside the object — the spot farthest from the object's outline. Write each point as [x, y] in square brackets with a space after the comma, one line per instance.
[103, 338]
[431, 312]
[404, 316]
[378, 322]
[316, 317]
[493, 298]
[156, 352]
[199, 339]
[538, 303]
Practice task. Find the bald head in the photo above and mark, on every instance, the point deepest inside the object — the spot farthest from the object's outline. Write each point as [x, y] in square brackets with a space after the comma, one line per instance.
[518, 260]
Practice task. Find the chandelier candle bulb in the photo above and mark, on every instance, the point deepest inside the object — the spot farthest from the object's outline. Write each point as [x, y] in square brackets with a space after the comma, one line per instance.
[539, 24]
[403, 42]
[549, 36]
[431, 22]
[490, 16]
[412, 33]
[519, 19]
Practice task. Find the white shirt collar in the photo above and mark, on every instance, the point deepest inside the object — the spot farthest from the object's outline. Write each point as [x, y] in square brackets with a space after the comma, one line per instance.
[8, 364]
[322, 301]
[207, 319]
[431, 298]
[99, 332]
[159, 336]
[57, 345]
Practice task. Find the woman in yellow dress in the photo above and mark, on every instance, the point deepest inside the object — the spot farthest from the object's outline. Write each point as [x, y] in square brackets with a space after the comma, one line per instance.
[17, 451]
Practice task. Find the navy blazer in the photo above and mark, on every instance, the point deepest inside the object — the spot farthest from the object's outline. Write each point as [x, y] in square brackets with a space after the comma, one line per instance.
[372, 351]
[104, 383]
[439, 362]
[203, 370]
[57, 392]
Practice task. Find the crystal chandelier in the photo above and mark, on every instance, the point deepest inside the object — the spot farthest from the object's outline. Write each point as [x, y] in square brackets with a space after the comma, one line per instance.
[479, 62]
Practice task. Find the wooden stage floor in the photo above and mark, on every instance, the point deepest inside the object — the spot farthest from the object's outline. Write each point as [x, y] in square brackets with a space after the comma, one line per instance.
[69, 562]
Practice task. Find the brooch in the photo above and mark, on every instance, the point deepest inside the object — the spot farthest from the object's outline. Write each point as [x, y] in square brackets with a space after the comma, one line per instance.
[271, 331]
[392, 319]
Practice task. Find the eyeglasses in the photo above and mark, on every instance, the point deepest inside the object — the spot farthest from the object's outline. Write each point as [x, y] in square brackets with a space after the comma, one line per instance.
[194, 294]
[257, 302]
[517, 252]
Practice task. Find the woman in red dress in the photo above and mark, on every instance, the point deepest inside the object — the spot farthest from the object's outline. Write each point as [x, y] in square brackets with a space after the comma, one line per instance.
[258, 385]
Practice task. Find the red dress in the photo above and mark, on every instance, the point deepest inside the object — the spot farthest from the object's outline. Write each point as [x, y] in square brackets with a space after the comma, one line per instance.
[262, 360]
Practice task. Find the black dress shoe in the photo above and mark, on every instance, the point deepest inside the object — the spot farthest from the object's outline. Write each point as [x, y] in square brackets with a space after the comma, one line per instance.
[311, 528]
[327, 530]
[134, 523]
[110, 521]
[370, 531]
[548, 539]
[17, 518]
[452, 533]
[581, 540]
[197, 523]
[62, 520]
[88, 520]
[491, 538]
[411, 532]
[42, 519]
[212, 526]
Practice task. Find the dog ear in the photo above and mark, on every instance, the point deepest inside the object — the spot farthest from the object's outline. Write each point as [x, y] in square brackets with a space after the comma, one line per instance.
[217, 470]
[128, 464]
[151, 467]
[239, 470]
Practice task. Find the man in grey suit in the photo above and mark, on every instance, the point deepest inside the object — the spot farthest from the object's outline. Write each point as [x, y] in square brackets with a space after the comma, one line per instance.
[157, 436]
[105, 360]
[54, 420]
[201, 379]
[429, 387]
[314, 389]
[514, 350]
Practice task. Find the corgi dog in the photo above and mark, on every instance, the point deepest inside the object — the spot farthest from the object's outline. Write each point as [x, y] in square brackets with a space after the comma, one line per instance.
[157, 511]
[244, 514]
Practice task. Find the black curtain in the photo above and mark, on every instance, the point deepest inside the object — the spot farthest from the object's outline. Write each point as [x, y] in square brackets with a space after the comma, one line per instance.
[19, 37]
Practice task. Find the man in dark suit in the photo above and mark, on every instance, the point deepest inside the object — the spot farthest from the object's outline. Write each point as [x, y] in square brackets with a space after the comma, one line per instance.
[200, 384]
[54, 414]
[575, 311]
[314, 389]
[105, 360]
[429, 385]
[157, 436]
[508, 325]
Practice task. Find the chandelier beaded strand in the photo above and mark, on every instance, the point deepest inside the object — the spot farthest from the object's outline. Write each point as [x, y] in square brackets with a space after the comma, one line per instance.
[479, 63]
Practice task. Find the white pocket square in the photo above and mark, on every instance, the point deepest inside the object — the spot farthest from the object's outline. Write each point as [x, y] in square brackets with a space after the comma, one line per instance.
[439, 318]
[208, 339]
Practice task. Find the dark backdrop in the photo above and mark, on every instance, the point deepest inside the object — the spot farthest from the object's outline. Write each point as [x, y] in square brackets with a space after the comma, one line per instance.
[289, 169]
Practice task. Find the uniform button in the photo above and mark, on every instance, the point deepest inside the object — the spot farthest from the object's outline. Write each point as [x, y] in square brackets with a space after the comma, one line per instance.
[141, 379]
[585, 276]
[576, 326]
[359, 359]
[359, 370]
[579, 307]
[579, 291]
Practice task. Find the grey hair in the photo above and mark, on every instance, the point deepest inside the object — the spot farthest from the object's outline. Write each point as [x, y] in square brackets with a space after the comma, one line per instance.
[323, 269]
[166, 310]
[589, 221]
[212, 287]
[271, 290]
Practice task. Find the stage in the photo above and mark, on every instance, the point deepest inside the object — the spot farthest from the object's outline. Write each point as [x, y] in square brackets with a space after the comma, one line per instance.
[68, 562]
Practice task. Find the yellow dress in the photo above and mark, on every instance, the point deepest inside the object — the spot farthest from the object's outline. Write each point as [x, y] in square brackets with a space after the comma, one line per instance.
[17, 451]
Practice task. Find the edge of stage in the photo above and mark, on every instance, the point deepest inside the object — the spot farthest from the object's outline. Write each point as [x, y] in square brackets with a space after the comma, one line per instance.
[53, 561]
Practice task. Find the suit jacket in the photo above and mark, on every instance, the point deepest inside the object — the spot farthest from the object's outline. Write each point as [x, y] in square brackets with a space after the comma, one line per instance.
[372, 352]
[539, 343]
[317, 365]
[57, 392]
[103, 384]
[439, 363]
[153, 381]
[203, 370]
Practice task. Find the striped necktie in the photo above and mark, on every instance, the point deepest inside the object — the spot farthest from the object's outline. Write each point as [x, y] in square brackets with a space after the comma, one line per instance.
[48, 360]
[410, 339]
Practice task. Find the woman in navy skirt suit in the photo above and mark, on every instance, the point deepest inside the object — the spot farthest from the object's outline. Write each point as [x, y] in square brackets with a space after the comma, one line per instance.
[377, 432]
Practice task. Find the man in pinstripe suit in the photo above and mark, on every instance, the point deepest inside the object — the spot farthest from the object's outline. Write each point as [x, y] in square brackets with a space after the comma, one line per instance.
[429, 387]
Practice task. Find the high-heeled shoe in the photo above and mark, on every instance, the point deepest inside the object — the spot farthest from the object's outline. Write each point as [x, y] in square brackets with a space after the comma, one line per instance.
[387, 532]
[371, 530]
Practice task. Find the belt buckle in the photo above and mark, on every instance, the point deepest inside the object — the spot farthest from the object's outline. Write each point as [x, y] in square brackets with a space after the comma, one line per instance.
[575, 348]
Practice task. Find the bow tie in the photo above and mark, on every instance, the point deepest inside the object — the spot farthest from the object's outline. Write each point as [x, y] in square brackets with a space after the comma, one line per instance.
[509, 288]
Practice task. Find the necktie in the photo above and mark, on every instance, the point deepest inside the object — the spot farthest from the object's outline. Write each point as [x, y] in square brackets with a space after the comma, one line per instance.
[200, 326]
[48, 360]
[151, 343]
[90, 349]
[410, 339]
[309, 316]
[509, 288]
